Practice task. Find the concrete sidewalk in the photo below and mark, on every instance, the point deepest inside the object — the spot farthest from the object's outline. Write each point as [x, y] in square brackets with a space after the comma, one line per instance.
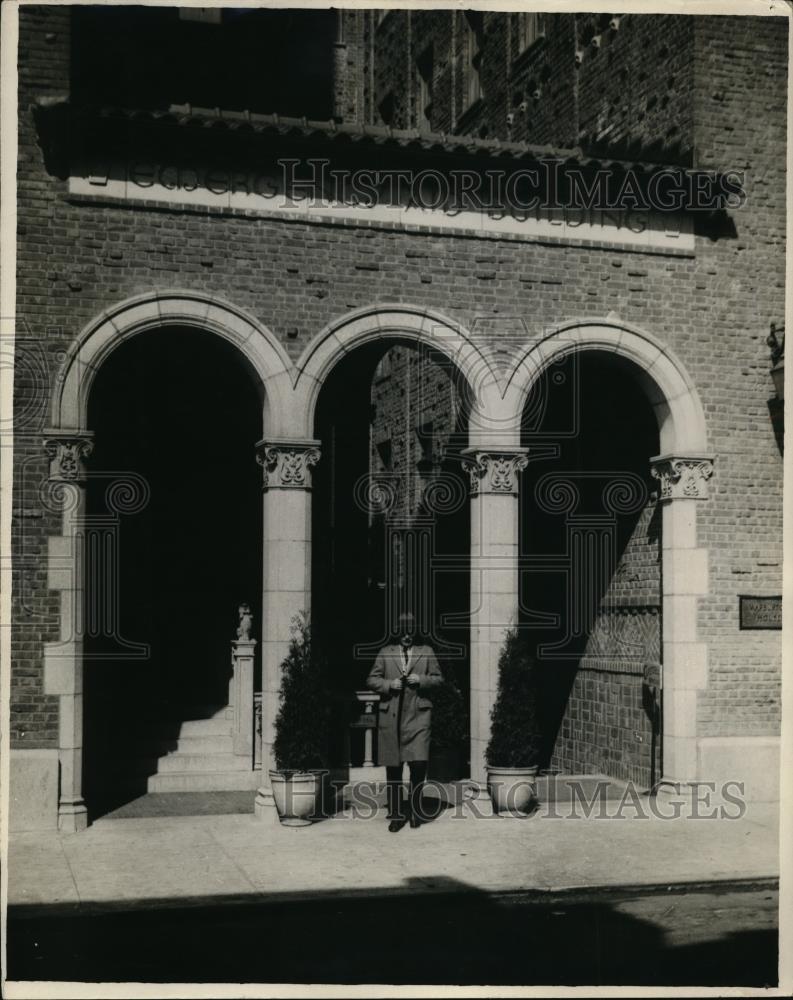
[160, 861]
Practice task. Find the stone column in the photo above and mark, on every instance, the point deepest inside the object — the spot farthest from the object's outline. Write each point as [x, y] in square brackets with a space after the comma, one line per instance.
[683, 486]
[287, 573]
[494, 579]
[63, 659]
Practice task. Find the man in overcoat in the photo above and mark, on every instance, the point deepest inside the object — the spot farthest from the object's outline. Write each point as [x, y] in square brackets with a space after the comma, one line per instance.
[402, 675]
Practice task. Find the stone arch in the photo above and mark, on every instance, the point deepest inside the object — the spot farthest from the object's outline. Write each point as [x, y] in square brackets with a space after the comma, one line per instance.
[263, 353]
[683, 469]
[386, 324]
[407, 322]
[668, 386]
[68, 441]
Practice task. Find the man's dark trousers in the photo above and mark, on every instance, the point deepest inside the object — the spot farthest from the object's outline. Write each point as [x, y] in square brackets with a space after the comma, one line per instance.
[396, 806]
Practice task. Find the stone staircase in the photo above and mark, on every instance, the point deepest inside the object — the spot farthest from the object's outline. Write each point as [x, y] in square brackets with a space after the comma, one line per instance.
[196, 755]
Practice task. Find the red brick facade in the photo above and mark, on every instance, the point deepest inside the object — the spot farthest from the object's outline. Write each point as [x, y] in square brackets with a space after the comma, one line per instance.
[707, 90]
[611, 84]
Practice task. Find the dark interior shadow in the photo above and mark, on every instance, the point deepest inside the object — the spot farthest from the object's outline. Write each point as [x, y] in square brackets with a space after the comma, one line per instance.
[591, 408]
[176, 414]
[276, 60]
[381, 461]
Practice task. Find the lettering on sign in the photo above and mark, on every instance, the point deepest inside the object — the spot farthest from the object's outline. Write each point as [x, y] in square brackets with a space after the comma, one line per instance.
[760, 612]
[326, 196]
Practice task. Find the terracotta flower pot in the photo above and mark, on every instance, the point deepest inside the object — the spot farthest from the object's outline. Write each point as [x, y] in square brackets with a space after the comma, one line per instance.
[513, 790]
[295, 795]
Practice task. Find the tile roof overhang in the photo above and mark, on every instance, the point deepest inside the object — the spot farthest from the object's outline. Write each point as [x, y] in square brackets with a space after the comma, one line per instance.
[67, 131]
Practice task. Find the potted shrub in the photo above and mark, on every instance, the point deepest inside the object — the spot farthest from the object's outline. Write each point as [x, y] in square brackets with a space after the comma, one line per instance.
[512, 755]
[449, 730]
[301, 729]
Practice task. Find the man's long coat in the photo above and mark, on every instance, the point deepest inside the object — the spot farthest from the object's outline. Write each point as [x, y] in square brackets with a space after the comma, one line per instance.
[405, 718]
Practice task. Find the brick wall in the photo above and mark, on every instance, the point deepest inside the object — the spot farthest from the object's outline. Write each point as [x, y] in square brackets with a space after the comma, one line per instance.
[739, 116]
[43, 70]
[349, 74]
[610, 725]
[606, 729]
[414, 411]
[628, 93]
[713, 309]
[634, 88]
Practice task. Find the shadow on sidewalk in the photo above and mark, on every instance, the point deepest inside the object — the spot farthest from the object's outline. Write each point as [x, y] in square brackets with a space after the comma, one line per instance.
[454, 934]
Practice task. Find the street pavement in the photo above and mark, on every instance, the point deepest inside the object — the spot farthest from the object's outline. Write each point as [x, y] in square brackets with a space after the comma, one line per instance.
[619, 896]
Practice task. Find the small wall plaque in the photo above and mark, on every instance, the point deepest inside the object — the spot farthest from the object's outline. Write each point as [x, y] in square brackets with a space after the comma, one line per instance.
[760, 612]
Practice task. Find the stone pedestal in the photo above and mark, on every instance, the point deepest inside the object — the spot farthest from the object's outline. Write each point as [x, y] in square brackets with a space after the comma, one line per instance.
[241, 696]
[494, 580]
[33, 790]
[287, 468]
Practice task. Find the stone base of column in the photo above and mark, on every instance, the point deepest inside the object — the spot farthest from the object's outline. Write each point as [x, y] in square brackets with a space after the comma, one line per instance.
[264, 806]
[474, 801]
[478, 762]
[72, 816]
[475, 790]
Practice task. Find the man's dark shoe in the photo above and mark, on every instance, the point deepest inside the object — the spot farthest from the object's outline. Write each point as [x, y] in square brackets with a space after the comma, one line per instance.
[395, 825]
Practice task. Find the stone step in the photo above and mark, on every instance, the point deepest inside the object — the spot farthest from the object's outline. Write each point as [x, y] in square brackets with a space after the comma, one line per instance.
[206, 711]
[209, 717]
[208, 781]
[213, 743]
[197, 762]
[198, 727]
[153, 746]
[369, 774]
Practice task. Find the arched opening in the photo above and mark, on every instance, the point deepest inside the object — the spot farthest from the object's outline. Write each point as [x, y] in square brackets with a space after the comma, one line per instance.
[391, 528]
[591, 565]
[179, 411]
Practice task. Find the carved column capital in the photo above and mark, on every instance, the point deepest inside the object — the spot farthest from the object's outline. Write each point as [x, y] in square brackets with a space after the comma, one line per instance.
[682, 478]
[287, 464]
[67, 451]
[494, 471]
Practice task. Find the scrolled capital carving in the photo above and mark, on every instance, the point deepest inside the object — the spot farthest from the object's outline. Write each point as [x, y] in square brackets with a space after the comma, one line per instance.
[67, 453]
[682, 478]
[287, 464]
[494, 472]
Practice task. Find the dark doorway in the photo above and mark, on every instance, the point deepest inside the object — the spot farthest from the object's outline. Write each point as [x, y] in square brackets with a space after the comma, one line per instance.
[391, 527]
[590, 530]
[178, 411]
